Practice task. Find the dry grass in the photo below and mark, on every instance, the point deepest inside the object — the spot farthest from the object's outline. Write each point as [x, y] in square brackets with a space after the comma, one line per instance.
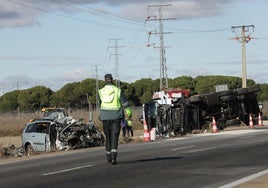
[13, 124]
[9, 140]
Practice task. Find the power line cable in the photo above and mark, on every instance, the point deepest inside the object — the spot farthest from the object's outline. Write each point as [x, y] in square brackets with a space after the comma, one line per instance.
[69, 17]
[97, 23]
[198, 30]
[103, 13]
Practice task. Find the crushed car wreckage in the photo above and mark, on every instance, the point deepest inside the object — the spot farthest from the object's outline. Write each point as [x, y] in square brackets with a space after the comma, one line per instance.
[12, 151]
[58, 131]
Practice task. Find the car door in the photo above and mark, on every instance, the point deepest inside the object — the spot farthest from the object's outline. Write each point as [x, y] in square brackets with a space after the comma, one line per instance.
[51, 137]
[38, 136]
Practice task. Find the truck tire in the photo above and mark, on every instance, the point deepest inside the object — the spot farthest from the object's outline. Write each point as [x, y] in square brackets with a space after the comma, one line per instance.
[196, 99]
[212, 99]
[232, 122]
[253, 89]
[227, 98]
[225, 93]
[242, 91]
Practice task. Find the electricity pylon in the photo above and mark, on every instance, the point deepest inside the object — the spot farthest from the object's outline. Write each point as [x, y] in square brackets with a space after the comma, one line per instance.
[163, 66]
[116, 57]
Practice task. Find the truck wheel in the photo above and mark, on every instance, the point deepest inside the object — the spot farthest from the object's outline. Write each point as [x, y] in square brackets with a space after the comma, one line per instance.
[225, 93]
[253, 89]
[228, 98]
[232, 122]
[242, 91]
[196, 99]
[212, 99]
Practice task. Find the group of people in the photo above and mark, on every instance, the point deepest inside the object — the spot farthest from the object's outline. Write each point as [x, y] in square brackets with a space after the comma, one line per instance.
[114, 114]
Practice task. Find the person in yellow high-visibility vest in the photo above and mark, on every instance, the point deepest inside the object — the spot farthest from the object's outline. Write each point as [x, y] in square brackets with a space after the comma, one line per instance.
[129, 122]
[111, 109]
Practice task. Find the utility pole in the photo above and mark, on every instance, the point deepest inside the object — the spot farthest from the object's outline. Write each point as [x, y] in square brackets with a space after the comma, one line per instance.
[116, 58]
[160, 19]
[97, 86]
[243, 39]
[3, 88]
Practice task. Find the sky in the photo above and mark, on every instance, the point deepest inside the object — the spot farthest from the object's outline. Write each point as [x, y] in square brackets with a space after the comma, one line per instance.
[54, 42]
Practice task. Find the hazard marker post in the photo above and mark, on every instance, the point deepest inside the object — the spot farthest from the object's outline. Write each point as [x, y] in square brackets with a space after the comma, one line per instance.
[260, 122]
[153, 134]
[251, 125]
[214, 126]
[145, 126]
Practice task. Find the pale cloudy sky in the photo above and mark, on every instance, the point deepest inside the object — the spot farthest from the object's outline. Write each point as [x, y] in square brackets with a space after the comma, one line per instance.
[54, 42]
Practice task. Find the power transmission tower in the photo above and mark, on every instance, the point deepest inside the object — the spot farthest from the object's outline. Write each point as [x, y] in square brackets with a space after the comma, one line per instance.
[116, 58]
[160, 19]
[243, 39]
[97, 99]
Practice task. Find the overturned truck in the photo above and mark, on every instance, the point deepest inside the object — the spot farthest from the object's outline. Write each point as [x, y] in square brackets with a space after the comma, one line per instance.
[178, 112]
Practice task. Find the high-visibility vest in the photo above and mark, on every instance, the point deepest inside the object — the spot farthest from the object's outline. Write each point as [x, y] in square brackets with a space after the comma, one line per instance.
[109, 96]
[129, 122]
[128, 112]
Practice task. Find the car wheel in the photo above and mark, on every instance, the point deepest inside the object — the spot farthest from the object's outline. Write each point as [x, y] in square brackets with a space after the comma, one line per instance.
[29, 150]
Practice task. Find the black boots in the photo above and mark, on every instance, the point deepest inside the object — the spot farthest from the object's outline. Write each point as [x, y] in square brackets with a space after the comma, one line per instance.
[113, 158]
[109, 158]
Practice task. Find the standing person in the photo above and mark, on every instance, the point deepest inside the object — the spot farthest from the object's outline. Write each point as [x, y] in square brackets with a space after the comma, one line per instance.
[112, 104]
[128, 119]
[124, 127]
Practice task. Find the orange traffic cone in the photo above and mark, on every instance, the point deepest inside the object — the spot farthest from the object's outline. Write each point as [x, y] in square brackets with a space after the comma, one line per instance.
[214, 126]
[251, 125]
[260, 123]
[146, 132]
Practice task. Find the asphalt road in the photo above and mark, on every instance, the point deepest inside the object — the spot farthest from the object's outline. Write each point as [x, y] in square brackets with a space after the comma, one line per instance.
[202, 160]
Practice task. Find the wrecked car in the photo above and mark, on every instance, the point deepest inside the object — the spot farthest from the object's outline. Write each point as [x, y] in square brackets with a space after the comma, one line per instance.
[58, 114]
[39, 135]
[44, 135]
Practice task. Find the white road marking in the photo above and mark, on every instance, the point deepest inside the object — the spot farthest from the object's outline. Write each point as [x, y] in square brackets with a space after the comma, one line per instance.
[246, 131]
[202, 149]
[232, 132]
[245, 179]
[66, 170]
[186, 147]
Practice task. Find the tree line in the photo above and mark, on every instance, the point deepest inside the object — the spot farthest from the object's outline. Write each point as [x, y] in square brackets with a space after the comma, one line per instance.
[78, 95]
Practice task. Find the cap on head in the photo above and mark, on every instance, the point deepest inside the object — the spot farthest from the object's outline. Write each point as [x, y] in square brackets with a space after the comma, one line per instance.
[108, 78]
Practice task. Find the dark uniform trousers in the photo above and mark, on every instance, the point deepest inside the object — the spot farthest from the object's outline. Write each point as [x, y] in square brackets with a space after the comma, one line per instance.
[111, 129]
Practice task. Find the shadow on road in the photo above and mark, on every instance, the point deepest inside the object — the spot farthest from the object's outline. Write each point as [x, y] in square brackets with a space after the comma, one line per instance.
[150, 160]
